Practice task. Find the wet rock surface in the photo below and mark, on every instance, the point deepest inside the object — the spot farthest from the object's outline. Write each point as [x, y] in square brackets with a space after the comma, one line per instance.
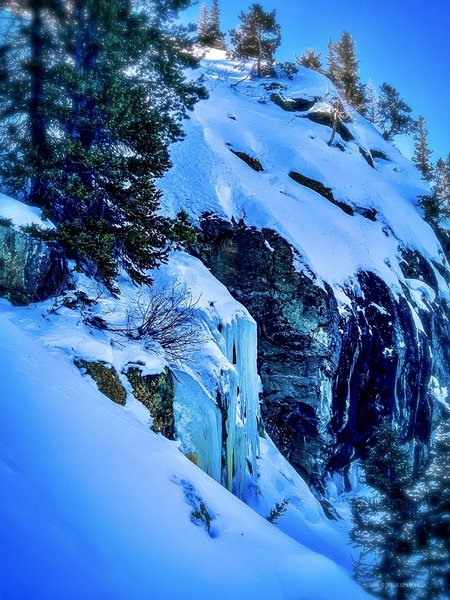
[331, 376]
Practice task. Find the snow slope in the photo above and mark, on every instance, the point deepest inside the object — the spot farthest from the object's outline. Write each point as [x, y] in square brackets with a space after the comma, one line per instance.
[21, 214]
[333, 245]
[61, 331]
[93, 505]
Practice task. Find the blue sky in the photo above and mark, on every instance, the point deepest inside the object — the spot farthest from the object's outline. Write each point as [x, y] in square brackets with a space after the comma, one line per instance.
[403, 42]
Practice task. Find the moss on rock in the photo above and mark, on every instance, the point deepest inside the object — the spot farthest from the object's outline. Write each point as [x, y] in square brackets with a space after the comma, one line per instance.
[106, 378]
[156, 392]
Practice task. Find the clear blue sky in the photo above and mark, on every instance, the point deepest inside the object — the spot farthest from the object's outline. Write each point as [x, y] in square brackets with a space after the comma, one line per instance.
[403, 42]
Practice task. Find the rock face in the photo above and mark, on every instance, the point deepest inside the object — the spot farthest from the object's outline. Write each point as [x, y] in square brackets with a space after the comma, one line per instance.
[30, 269]
[298, 338]
[331, 376]
[106, 378]
[156, 392]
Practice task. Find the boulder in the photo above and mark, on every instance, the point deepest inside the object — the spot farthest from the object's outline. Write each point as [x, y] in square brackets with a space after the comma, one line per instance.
[31, 270]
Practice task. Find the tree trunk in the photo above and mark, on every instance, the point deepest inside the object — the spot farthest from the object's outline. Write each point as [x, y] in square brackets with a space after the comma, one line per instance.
[38, 192]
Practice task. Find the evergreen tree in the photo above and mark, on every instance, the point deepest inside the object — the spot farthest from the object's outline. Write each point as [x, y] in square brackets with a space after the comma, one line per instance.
[372, 111]
[382, 524]
[333, 71]
[441, 189]
[88, 138]
[343, 70]
[432, 524]
[310, 59]
[218, 38]
[436, 205]
[257, 38]
[203, 26]
[395, 116]
[422, 152]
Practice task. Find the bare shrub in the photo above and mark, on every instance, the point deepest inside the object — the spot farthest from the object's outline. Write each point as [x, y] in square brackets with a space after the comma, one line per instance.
[165, 315]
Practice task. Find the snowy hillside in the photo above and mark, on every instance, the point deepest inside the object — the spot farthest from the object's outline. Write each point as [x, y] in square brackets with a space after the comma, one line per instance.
[240, 117]
[94, 505]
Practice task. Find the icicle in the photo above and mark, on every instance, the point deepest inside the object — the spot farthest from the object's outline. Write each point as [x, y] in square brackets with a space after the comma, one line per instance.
[242, 401]
[202, 413]
[199, 425]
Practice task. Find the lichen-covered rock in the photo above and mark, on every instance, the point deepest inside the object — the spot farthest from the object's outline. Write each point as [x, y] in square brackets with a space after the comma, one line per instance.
[30, 269]
[106, 378]
[156, 392]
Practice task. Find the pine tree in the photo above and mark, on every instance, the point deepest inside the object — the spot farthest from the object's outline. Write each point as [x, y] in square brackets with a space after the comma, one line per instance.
[441, 189]
[422, 152]
[257, 38]
[333, 71]
[111, 98]
[382, 524]
[432, 525]
[218, 38]
[203, 26]
[23, 89]
[343, 70]
[372, 111]
[395, 116]
[310, 59]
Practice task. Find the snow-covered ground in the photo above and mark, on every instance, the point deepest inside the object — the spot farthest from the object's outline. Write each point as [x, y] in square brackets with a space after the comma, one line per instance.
[333, 244]
[95, 505]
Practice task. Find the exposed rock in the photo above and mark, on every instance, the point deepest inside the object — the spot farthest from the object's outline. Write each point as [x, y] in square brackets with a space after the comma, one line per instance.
[251, 161]
[106, 378]
[156, 392]
[30, 270]
[378, 154]
[329, 379]
[297, 332]
[367, 156]
[383, 372]
[325, 118]
[367, 213]
[293, 104]
[321, 189]
[313, 184]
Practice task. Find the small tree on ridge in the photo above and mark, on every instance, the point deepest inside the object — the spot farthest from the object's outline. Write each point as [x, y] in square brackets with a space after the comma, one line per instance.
[258, 37]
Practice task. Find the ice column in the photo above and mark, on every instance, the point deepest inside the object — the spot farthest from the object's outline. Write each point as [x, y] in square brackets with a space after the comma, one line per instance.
[242, 401]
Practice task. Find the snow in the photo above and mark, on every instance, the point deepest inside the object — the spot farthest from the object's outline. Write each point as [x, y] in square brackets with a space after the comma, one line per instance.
[20, 213]
[93, 503]
[333, 245]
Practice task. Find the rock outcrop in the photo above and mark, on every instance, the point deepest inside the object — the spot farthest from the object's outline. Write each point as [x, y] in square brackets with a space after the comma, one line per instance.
[30, 269]
[156, 392]
[330, 376]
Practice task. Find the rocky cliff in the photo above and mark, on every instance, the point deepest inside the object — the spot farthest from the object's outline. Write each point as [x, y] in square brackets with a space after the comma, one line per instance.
[327, 249]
